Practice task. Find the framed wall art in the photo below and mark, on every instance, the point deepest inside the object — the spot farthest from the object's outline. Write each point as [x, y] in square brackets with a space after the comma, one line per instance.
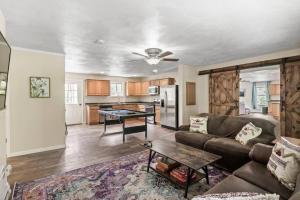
[39, 87]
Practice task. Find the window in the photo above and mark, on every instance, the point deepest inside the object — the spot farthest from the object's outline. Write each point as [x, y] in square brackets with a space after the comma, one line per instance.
[261, 99]
[71, 93]
[117, 89]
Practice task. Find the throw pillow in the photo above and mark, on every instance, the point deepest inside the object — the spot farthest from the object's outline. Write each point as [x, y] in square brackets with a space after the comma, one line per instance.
[248, 132]
[284, 162]
[238, 196]
[198, 124]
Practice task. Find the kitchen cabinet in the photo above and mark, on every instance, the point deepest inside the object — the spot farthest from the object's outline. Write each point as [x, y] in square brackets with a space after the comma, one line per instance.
[144, 88]
[130, 88]
[274, 109]
[166, 81]
[140, 88]
[97, 87]
[274, 89]
[154, 83]
[137, 88]
[92, 115]
[157, 114]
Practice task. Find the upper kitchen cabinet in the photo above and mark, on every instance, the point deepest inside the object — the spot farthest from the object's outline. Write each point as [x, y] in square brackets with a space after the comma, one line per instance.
[154, 83]
[140, 88]
[130, 88]
[166, 81]
[137, 88]
[144, 87]
[274, 89]
[97, 87]
[162, 82]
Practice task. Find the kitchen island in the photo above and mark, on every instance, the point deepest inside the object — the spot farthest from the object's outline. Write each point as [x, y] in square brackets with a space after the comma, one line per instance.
[119, 117]
[92, 116]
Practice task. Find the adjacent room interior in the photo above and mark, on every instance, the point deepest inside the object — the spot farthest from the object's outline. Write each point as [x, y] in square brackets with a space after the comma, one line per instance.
[260, 91]
[149, 100]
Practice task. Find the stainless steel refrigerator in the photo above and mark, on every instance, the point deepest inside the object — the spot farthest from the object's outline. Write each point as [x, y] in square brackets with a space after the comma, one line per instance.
[169, 106]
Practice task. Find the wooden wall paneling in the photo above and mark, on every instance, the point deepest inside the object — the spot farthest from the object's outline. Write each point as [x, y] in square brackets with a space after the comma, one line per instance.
[290, 99]
[224, 93]
[190, 93]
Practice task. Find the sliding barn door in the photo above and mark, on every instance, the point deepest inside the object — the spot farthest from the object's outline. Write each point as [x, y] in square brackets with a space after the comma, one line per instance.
[224, 93]
[290, 100]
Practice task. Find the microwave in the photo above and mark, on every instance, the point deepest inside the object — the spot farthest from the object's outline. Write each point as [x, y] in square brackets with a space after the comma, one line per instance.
[153, 90]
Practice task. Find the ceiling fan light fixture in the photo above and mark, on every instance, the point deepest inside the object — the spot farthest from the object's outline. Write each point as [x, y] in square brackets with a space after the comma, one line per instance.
[152, 61]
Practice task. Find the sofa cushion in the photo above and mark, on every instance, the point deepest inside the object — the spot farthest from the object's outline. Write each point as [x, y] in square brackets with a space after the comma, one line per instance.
[229, 126]
[233, 153]
[248, 132]
[261, 153]
[234, 184]
[198, 124]
[284, 163]
[259, 175]
[196, 140]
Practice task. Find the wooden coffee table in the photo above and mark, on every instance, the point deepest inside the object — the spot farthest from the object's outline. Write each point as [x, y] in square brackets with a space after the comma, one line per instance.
[194, 159]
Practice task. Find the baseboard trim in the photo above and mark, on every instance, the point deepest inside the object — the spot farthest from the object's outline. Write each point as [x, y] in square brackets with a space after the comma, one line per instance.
[31, 151]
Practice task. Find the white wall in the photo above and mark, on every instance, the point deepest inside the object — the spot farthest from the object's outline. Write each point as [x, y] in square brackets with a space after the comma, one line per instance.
[186, 74]
[247, 99]
[203, 93]
[2, 112]
[36, 124]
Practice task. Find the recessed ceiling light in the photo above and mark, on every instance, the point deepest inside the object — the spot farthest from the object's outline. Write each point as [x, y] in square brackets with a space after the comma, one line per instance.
[155, 70]
[99, 41]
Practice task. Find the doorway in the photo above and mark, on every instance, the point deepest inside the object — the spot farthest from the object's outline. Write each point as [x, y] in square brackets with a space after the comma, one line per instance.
[73, 102]
[260, 91]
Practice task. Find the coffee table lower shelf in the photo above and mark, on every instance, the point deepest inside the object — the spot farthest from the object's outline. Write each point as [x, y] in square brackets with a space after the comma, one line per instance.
[199, 176]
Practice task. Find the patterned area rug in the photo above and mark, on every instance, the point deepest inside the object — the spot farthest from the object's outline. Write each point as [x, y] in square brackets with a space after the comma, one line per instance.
[124, 178]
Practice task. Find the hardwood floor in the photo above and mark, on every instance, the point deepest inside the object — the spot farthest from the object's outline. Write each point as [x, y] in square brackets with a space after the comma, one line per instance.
[85, 146]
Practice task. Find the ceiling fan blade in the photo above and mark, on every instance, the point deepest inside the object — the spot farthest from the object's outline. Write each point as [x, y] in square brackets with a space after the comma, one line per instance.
[164, 54]
[134, 60]
[139, 54]
[170, 59]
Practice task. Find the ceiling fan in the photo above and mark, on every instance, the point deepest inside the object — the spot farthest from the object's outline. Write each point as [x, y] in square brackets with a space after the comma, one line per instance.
[154, 56]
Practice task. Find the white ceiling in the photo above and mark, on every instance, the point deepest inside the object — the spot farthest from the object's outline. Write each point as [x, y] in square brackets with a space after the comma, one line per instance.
[198, 32]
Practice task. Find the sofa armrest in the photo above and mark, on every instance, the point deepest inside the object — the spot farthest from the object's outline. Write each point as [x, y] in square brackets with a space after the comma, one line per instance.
[296, 193]
[261, 153]
[184, 128]
[264, 139]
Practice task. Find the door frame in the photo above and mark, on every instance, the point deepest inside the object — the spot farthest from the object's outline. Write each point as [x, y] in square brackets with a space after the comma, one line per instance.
[81, 103]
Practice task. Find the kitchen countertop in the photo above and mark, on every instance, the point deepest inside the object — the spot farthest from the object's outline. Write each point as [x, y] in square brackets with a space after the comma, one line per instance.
[122, 103]
[274, 101]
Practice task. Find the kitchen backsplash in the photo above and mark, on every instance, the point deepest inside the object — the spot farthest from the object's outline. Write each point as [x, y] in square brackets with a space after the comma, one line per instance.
[102, 99]
[91, 99]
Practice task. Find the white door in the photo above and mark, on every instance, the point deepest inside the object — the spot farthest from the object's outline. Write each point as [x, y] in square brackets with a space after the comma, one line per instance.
[73, 101]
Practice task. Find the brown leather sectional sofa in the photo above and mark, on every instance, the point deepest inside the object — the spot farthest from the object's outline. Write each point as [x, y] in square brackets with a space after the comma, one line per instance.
[255, 177]
[220, 138]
